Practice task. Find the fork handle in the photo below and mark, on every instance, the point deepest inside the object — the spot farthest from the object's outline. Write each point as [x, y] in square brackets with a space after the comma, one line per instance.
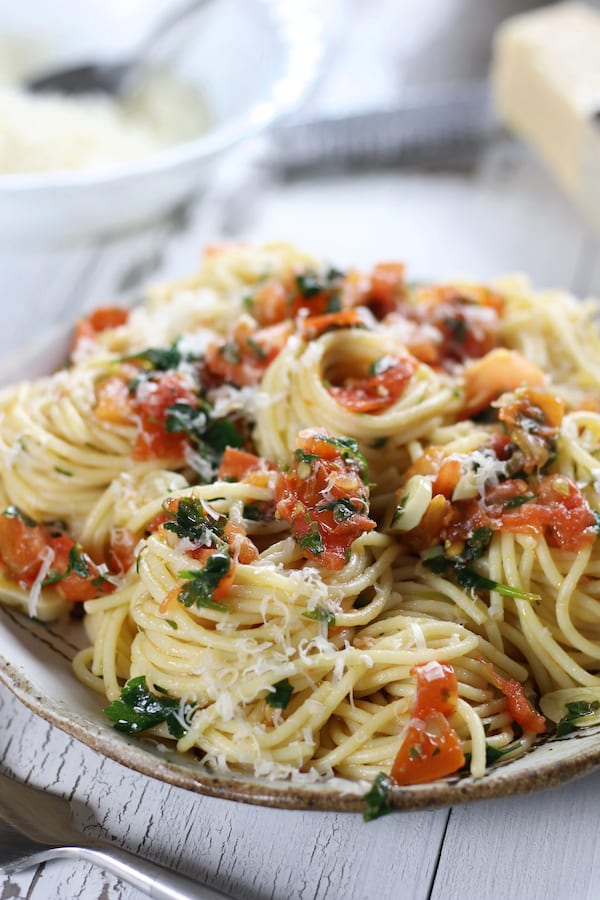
[153, 880]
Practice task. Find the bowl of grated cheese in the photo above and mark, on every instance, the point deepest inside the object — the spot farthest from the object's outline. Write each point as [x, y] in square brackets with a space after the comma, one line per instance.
[73, 167]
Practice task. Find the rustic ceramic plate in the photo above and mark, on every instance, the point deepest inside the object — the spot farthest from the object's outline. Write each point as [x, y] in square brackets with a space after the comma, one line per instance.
[35, 664]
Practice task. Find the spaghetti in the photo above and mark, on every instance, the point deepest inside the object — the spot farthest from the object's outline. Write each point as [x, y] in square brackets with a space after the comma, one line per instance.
[322, 523]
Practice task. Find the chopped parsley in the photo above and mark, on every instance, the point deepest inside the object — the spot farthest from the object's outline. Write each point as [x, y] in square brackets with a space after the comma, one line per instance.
[518, 501]
[312, 541]
[468, 577]
[457, 328]
[258, 351]
[349, 450]
[280, 696]
[319, 614]
[378, 443]
[160, 359]
[576, 714]
[202, 583]
[303, 456]
[310, 285]
[191, 522]
[342, 509]
[139, 709]
[77, 564]
[208, 436]
[378, 799]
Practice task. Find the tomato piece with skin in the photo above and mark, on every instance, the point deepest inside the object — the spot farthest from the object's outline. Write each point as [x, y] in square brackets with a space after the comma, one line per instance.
[324, 498]
[314, 326]
[559, 510]
[247, 352]
[22, 548]
[519, 706]
[376, 392]
[153, 440]
[431, 748]
[100, 319]
[387, 288]
[238, 464]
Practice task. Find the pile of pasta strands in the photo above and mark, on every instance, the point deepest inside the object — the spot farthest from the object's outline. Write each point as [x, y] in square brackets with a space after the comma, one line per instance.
[323, 524]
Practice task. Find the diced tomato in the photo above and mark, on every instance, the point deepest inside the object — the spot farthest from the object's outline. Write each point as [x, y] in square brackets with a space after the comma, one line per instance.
[270, 302]
[113, 401]
[237, 464]
[100, 320]
[376, 392]
[518, 705]
[244, 356]
[431, 748]
[22, 547]
[314, 326]
[532, 419]
[494, 374]
[150, 405]
[242, 548]
[447, 478]
[437, 689]
[558, 510]
[74, 587]
[387, 288]
[324, 498]
[202, 554]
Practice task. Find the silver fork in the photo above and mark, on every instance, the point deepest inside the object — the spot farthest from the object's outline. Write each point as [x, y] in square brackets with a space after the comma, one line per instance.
[36, 827]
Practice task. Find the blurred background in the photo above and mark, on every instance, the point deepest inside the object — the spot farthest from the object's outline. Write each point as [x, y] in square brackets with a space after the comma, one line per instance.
[477, 208]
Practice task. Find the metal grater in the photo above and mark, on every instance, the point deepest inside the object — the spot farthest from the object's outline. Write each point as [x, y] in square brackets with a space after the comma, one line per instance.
[430, 127]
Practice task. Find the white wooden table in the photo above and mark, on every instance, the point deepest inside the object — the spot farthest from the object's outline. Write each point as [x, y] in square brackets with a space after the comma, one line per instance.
[504, 215]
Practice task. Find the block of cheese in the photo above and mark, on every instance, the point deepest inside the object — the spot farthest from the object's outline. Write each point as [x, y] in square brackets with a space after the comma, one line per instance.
[546, 85]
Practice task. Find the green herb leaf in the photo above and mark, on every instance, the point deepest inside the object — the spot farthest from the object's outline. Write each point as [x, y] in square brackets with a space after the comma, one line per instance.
[312, 541]
[378, 799]
[577, 712]
[256, 349]
[477, 544]
[302, 456]
[518, 501]
[493, 754]
[77, 563]
[318, 614]
[208, 436]
[139, 709]
[203, 583]
[160, 359]
[378, 443]
[349, 450]
[469, 578]
[342, 509]
[191, 522]
[280, 696]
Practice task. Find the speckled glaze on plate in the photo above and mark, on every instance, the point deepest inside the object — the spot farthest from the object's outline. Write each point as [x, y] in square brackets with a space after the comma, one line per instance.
[35, 664]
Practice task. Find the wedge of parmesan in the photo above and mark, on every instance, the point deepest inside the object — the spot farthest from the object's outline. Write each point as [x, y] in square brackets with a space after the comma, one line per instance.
[546, 85]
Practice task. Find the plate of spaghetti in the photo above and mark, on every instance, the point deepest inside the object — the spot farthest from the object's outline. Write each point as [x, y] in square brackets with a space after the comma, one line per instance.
[311, 538]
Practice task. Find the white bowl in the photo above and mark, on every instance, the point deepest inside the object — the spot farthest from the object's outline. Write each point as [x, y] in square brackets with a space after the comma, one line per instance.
[252, 60]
